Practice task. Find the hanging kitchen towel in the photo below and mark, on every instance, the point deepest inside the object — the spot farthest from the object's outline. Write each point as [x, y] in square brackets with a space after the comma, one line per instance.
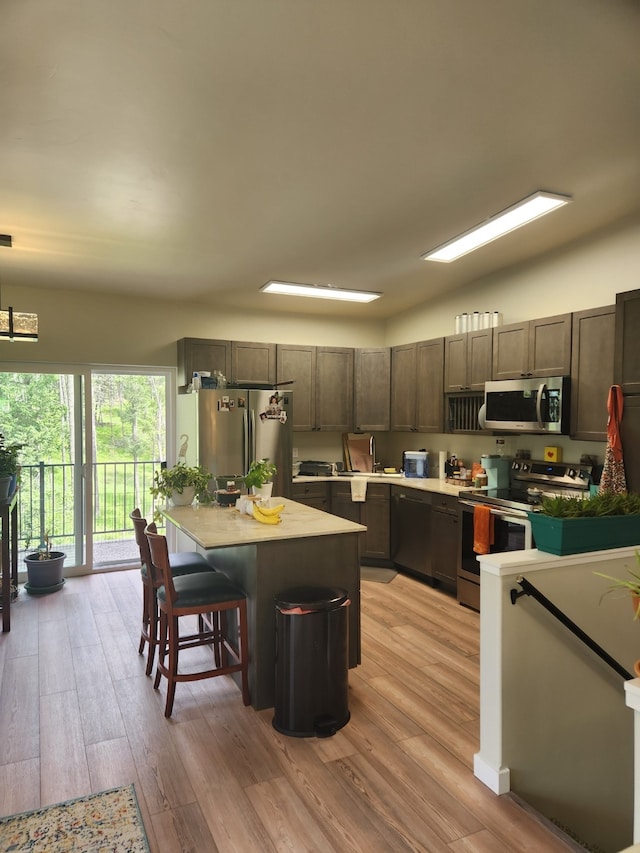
[358, 489]
[613, 475]
[482, 529]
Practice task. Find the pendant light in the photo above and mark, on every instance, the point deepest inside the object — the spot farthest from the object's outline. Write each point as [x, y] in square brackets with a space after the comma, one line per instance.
[16, 325]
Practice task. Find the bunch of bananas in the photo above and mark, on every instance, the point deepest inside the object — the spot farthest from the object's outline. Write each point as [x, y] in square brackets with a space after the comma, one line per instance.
[267, 515]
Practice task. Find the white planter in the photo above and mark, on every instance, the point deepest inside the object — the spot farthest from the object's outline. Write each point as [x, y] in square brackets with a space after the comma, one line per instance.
[185, 497]
[263, 492]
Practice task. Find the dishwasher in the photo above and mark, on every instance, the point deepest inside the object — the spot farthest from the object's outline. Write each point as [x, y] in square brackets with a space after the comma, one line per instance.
[411, 532]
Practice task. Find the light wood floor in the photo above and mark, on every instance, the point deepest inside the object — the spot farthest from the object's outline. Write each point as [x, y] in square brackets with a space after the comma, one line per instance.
[78, 715]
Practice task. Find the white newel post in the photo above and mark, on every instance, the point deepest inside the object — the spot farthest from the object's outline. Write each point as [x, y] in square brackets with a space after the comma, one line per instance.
[632, 691]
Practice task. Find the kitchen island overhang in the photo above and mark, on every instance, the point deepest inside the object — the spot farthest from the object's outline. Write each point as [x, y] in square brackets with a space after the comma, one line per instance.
[308, 548]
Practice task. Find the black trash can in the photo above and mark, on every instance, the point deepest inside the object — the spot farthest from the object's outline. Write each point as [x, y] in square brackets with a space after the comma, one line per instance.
[312, 661]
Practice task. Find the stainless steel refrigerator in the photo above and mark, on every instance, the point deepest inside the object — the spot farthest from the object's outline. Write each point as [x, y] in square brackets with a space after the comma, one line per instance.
[225, 430]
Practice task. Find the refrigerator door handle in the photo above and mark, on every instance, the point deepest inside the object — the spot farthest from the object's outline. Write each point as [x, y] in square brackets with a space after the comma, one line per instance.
[246, 438]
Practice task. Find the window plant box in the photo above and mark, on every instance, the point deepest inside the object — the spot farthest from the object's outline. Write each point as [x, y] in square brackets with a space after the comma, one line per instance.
[564, 536]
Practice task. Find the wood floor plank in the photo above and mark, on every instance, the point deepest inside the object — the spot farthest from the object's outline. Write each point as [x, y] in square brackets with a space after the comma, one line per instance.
[63, 759]
[183, 830]
[511, 824]
[99, 708]
[164, 779]
[446, 814]
[19, 714]
[82, 625]
[290, 824]
[223, 801]
[19, 786]
[56, 662]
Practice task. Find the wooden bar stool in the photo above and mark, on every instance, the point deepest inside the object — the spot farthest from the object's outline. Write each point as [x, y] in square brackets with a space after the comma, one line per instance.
[181, 563]
[197, 594]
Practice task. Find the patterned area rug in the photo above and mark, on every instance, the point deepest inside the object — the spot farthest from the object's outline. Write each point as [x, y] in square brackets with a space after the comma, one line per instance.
[109, 821]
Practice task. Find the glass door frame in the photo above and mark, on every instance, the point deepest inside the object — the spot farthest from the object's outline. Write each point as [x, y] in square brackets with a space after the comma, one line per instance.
[83, 440]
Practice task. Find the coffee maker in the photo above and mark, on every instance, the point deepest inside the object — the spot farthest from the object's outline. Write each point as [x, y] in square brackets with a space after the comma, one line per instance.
[498, 469]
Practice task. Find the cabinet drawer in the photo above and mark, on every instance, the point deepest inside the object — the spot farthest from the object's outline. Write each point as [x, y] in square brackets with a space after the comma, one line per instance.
[445, 503]
[309, 490]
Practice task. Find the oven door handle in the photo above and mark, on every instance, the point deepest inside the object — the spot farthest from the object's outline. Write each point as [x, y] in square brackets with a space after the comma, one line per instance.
[501, 513]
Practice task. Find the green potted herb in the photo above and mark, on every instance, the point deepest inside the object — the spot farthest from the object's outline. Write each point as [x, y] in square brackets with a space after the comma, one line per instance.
[570, 525]
[181, 484]
[259, 477]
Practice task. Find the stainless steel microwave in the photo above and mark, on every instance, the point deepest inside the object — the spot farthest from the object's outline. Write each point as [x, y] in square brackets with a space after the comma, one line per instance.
[527, 405]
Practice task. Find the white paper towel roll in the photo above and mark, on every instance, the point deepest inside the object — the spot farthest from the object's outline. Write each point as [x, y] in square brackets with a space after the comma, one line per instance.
[442, 458]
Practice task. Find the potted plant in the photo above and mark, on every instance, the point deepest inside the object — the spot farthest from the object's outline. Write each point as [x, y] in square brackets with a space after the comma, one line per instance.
[181, 484]
[630, 586]
[9, 467]
[259, 476]
[44, 568]
[569, 525]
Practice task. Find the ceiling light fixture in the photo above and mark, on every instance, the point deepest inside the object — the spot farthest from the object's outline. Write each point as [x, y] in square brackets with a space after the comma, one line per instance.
[16, 325]
[319, 291]
[513, 217]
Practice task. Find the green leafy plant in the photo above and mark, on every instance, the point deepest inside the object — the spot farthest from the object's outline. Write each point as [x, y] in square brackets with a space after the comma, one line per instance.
[601, 504]
[9, 463]
[260, 472]
[166, 481]
[630, 585]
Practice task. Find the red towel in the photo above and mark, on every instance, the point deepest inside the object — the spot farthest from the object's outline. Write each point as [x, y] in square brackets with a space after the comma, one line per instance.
[482, 529]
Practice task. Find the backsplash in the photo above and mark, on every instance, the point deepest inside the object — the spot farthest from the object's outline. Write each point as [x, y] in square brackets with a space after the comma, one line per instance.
[327, 446]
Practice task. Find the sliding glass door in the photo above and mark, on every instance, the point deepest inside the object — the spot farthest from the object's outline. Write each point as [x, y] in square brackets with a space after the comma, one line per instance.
[91, 440]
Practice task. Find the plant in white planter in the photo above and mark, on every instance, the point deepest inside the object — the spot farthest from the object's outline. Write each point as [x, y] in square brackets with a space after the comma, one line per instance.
[182, 484]
[44, 568]
[259, 477]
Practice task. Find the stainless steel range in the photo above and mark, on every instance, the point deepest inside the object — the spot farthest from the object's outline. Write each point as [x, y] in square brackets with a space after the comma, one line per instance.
[528, 482]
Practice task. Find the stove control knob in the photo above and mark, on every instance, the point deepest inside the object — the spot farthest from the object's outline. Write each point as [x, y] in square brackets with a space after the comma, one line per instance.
[516, 466]
[525, 466]
[572, 472]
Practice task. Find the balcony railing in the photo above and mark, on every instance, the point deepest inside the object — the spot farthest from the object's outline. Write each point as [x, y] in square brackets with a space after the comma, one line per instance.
[50, 501]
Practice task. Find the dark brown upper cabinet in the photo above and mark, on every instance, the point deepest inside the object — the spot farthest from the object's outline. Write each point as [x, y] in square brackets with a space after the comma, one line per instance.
[202, 354]
[372, 388]
[627, 335]
[535, 348]
[416, 386]
[591, 372]
[467, 360]
[323, 385]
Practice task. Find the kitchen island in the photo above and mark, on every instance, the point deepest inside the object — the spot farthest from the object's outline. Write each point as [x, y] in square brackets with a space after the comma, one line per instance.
[308, 548]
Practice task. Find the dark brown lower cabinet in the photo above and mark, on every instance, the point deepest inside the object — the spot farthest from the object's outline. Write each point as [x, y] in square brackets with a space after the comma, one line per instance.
[374, 512]
[444, 540]
[317, 495]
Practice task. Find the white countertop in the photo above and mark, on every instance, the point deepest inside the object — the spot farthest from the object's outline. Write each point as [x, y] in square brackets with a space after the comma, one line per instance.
[424, 484]
[220, 527]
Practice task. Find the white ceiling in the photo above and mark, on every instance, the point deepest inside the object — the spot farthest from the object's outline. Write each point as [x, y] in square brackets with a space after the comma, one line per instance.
[197, 148]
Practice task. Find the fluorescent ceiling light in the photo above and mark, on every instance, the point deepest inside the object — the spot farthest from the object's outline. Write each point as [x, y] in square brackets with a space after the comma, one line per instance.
[319, 291]
[513, 217]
